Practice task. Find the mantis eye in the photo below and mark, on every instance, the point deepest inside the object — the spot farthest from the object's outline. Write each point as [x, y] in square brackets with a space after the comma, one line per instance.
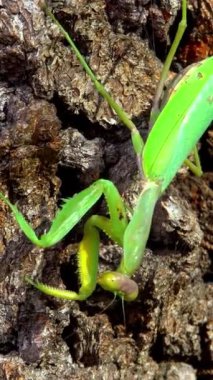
[119, 284]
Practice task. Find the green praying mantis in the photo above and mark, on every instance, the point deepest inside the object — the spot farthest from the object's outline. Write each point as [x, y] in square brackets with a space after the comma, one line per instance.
[175, 131]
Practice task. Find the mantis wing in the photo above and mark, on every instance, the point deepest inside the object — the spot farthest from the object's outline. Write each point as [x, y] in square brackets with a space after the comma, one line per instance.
[180, 125]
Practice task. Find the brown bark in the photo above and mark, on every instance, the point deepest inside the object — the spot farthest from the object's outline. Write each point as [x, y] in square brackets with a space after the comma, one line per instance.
[56, 137]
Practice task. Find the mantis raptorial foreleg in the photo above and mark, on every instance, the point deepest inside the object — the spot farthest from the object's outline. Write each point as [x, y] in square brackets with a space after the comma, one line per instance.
[67, 217]
[73, 210]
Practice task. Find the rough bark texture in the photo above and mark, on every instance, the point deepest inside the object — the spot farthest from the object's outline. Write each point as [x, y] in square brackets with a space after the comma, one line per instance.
[56, 137]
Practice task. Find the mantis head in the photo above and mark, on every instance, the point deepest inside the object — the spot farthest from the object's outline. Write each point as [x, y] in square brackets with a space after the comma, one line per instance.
[119, 284]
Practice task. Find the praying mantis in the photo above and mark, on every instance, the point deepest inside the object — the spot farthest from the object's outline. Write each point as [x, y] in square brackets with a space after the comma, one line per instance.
[175, 130]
